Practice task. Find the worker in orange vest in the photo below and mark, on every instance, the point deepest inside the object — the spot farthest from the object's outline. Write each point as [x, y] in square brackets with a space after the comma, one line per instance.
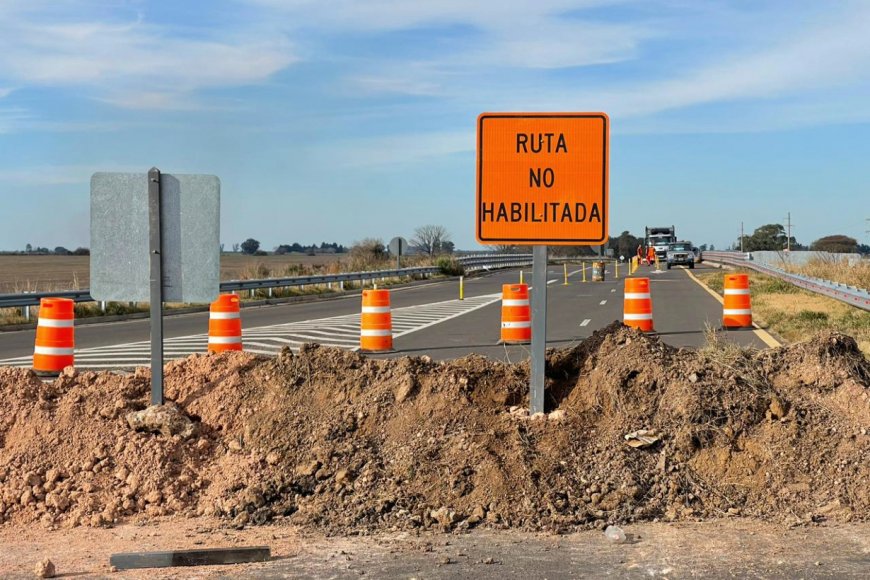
[651, 255]
[639, 253]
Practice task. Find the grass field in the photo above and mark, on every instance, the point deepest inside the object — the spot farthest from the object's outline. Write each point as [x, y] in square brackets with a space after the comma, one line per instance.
[837, 270]
[46, 273]
[19, 274]
[796, 314]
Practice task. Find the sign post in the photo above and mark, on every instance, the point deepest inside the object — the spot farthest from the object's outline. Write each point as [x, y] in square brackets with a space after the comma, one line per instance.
[542, 178]
[397, 247]
[155, 237]
[155, 243]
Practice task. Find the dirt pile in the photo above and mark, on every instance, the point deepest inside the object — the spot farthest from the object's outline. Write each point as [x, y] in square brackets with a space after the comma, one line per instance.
[331, 439]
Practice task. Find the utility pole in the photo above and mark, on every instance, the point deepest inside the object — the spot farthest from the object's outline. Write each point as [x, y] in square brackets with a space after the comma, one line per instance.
[741, 236]
[788, 235]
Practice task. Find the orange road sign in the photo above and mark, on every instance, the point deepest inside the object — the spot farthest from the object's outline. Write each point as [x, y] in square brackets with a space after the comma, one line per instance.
[542, 178]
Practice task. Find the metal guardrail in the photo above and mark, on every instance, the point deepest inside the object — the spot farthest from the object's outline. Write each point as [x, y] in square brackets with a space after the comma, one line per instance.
[851, 295]
[470, 263]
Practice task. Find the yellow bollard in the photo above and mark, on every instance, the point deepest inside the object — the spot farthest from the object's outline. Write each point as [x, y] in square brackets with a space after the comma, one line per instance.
[462, 287]
[616, 267]
[657, 264]
[566, 274]
[584, 271]
[521, 276]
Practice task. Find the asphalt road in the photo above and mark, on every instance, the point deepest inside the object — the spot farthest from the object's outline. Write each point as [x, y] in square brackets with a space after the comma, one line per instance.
[682, 309]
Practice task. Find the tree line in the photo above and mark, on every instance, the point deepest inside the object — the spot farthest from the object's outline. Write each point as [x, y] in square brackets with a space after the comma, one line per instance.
[774, 237]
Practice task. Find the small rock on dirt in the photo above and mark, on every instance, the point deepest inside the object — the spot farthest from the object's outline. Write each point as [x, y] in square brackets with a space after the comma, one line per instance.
[45, 569]
[166, 419]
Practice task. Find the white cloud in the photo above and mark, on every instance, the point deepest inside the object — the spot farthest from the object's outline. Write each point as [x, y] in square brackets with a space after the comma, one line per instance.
[134, 63]
[524, 33]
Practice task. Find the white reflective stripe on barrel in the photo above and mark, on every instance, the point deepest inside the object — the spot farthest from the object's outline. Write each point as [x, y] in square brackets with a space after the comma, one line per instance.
[52, 350]
[377, 332]
[736, 291]
[737, 311]
[511, 302]
[638, 316]
[224, 339]
[375, 309]
[223, 315]
[636, 295]
[521, 324]
[56, 322]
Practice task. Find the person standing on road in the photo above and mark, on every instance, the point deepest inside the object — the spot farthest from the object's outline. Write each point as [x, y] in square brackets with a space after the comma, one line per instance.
[651, 255]
[640, 253]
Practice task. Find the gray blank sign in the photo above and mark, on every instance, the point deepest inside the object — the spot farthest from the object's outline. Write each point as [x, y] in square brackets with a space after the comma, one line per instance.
[190, 218]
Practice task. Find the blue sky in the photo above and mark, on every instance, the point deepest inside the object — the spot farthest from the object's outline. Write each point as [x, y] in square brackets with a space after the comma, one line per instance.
[340, 120]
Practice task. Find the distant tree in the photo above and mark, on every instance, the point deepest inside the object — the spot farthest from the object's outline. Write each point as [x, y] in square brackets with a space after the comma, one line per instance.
[81, 252]
[28, 248]
[429, 239]
[235, 248]
[367, 254]
[282, 249]
[447, 247]
[766, 237]
[61, 251]
[222, 248]
[712, 248]
[863, 249]
[41, 250]
[250, 246]
[703, 247]
[624, 245]
[837, 243]
[566, 251]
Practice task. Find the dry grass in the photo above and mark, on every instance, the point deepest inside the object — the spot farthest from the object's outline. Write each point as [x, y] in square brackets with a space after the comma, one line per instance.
[796, 314]
[837, 270]
[19, 274]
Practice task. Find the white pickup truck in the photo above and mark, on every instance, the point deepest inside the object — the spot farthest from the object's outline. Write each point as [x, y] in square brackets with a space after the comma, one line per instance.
[681, 253]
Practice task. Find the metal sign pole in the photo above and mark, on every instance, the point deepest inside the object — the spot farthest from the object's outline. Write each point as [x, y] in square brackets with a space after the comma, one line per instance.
[539, 329]
[156, 258]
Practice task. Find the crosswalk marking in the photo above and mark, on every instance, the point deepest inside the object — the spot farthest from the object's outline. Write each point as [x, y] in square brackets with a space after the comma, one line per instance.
[339, 331]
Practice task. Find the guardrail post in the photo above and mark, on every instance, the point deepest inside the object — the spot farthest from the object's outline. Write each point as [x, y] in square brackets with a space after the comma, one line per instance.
[341, 285]
[270, 291]
[103, 306]
[26, 312]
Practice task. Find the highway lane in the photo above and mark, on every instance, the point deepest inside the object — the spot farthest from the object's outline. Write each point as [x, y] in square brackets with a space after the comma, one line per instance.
[682, 310]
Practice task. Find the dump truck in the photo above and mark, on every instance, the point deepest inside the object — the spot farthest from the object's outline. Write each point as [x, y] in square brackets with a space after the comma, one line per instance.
[660, 238]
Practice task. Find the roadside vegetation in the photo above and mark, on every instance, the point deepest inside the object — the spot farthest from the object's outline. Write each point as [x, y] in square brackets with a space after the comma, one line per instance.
[432, 244]
[837, 269]
[795, 314]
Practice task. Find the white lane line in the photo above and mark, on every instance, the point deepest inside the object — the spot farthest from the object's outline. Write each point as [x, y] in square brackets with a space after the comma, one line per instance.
[613, 289]
[602, 303]
[586, 321]
[552, 281]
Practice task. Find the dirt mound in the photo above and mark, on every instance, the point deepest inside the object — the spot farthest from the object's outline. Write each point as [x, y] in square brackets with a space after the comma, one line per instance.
[331, 439]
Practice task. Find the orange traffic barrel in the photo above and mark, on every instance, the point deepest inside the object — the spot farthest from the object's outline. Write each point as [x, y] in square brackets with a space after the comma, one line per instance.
[516, 314]
[224, 324]
[738, 309]
[638, 304]
[55, 336]
[376, 323]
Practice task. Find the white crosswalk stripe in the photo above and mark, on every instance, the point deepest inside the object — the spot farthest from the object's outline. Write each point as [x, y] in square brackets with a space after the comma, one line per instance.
[340, 331]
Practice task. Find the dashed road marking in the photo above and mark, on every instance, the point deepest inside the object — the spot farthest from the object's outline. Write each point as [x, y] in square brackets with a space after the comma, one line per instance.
[340, 331]
[603, 302]
[585, 321]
